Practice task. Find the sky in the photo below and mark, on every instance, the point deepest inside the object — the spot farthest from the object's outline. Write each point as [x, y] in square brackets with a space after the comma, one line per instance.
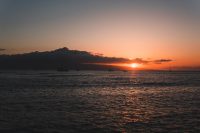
[134, 29]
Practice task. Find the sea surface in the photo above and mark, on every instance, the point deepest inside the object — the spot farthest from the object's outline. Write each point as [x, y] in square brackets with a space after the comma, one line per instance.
[99, 102]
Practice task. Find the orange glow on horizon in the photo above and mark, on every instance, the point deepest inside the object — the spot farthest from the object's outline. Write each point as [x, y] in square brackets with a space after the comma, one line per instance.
[149, 65]
[127, 66]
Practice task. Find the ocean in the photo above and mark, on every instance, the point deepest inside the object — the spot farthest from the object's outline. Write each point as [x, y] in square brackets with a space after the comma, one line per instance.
[99, 102]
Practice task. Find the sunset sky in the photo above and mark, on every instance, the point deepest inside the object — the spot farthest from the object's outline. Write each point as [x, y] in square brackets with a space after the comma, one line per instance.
[136, 29]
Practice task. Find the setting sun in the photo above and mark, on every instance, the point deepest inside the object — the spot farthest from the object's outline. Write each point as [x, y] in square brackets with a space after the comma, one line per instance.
[134, 65]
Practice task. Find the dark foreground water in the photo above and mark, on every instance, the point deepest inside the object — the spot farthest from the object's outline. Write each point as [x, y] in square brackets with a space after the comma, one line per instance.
[89, 101]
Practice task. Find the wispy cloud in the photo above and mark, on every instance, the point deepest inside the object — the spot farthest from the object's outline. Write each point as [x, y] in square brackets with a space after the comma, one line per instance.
[143, 61]
[140, 61]
[160, 61]
[1, 49]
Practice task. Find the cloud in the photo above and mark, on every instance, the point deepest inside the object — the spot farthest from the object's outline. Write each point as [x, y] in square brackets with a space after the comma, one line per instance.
[160, 61]
[1, 49]
[143, 61]
[140, 61]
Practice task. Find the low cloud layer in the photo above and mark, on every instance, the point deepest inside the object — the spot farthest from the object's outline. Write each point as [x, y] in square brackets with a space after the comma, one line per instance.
[160, 61]
[1, 49]
[140, 61]
[143, 61]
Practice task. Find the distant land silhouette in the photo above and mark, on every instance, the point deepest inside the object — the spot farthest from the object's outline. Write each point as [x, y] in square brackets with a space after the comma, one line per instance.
[64, 59]
[61, 59]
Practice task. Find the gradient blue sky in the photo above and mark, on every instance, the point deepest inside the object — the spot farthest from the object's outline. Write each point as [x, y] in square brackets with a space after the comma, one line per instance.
[123, 28]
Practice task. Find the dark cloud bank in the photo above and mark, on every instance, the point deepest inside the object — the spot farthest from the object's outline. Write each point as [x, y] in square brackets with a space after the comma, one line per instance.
[67, 59]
